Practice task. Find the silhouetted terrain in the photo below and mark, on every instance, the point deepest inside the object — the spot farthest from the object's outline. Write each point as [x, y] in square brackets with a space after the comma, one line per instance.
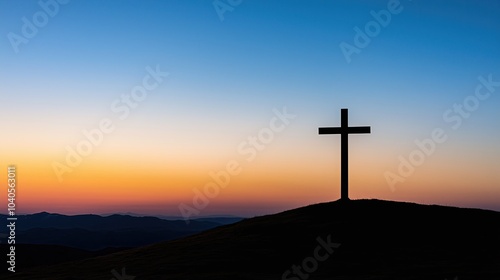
[220, 220]
[368, 239]
[29, 255]
[93, 232]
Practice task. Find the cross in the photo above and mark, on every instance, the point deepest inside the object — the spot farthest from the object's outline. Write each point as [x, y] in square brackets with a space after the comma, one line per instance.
[344, 130]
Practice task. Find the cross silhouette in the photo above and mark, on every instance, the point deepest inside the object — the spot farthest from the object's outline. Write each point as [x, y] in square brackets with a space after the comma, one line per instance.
[344, 130]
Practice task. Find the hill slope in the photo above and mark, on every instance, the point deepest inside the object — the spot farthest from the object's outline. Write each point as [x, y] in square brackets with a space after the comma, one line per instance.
[94, 232]
[362, 239]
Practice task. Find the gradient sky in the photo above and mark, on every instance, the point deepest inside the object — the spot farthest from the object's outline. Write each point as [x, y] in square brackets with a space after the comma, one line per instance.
[225, 79]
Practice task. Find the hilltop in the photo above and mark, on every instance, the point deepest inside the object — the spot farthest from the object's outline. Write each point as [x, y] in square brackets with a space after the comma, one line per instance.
[359, 239]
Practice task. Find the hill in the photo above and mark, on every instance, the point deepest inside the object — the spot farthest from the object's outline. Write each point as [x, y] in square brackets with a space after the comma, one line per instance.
[32, 255]
[94, 232]
[361, 239]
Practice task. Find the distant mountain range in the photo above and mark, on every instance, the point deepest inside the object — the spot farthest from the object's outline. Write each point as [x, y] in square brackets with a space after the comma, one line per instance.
[360, 239]
[94, 232]
[223, 218]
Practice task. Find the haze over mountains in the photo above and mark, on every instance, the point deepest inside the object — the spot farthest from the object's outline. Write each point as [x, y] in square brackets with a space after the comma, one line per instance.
[361, 239]
[94, 232]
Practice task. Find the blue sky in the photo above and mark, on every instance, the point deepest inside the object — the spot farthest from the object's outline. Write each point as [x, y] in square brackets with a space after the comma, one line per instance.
[227, 76]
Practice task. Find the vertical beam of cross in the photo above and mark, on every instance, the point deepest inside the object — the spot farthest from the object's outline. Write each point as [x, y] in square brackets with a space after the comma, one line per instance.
[344, 130]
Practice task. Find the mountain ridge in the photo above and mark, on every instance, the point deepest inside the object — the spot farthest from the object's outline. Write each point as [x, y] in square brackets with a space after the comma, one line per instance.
[95, 232]
[376, 240]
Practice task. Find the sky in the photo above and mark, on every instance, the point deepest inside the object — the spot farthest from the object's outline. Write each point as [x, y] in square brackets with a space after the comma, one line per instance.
[195, 108]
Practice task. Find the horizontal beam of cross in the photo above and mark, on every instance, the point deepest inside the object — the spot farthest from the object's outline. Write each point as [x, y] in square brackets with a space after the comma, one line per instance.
[340, 130]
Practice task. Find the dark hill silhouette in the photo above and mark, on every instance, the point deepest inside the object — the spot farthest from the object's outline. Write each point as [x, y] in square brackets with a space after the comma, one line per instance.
[378, 240]
[112, 222]
[30, 255]
[94, 232]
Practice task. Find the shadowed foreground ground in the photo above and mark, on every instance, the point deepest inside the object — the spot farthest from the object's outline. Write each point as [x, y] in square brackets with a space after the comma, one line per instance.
[378, 240]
